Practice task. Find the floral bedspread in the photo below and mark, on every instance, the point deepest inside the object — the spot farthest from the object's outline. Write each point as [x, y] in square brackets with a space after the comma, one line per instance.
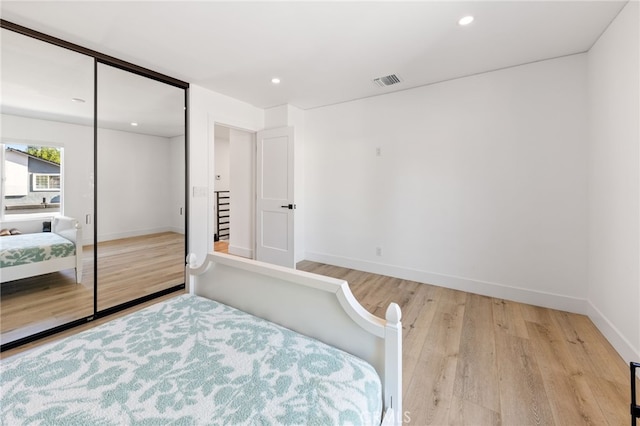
[189, 361]
[30, 248]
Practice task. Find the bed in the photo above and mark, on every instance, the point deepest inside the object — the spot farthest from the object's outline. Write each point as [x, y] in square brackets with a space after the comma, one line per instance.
[27, 255]
[250, 343]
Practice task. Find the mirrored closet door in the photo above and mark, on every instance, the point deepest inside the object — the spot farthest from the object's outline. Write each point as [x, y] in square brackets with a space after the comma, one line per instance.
[47, 191]
[141, 186]
[93, 201]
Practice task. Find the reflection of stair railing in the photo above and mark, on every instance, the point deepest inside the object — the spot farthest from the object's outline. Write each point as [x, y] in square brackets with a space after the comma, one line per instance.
[222, 215]
[635, 408]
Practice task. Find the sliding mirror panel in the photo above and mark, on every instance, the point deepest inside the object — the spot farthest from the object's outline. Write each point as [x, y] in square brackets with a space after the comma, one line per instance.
[47, 164]
[140, 180]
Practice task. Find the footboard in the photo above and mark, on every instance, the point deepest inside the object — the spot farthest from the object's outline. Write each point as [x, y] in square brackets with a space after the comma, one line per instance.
[70, 229]
[320, 307]
[67, 228]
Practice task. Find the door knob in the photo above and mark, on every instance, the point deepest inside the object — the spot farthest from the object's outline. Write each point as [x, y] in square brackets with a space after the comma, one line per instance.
[289, 206]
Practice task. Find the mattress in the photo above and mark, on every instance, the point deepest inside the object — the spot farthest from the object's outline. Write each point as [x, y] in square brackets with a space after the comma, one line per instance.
[189, 360]
[23, 249]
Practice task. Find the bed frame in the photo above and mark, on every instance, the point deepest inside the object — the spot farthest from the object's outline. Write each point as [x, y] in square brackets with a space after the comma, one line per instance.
[320, 307]
[66, 227]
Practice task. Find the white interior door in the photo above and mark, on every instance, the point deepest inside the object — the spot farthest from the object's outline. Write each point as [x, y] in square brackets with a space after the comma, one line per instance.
[275, 206]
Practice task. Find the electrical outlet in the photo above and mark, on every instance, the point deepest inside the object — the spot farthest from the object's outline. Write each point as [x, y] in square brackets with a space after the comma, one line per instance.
[378, 251]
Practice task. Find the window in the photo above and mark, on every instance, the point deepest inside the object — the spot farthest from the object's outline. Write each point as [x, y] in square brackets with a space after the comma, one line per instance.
[42, 182]
[31, 180]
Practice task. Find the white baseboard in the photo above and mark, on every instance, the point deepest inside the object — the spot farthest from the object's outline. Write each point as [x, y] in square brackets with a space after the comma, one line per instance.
[501, 291]
[134, 233]
[241, 251]
[485, 288]
[611, 333]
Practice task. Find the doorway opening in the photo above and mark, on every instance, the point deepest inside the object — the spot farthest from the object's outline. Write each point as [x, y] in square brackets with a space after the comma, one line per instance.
[233, 191]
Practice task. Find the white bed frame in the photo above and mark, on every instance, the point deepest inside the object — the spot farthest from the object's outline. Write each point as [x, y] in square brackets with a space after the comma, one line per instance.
[66, 227]
[320, 307]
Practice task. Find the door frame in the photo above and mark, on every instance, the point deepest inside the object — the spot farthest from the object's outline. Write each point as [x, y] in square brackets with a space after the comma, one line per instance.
[212, 121]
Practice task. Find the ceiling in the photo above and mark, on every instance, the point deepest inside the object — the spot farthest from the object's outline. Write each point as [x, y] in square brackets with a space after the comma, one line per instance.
[323, 52]
[44, 81]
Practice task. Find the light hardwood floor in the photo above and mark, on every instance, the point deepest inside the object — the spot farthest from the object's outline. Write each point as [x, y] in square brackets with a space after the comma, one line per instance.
[128, 269]
[136, 267]
[475, 360]
[221, 246]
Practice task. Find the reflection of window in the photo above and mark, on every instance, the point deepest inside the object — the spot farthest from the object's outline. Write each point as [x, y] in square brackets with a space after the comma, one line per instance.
[31, 179]
[46, 182]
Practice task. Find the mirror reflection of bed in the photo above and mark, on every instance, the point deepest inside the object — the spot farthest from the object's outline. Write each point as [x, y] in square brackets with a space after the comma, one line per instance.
[46, 106]
[38, 303]
[47, 279]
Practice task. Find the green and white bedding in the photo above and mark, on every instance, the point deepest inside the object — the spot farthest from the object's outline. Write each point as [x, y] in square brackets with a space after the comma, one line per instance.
[189, 361]
[30, 248]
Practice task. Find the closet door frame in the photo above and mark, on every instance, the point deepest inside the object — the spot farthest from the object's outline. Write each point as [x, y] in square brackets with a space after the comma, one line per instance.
[125, 66]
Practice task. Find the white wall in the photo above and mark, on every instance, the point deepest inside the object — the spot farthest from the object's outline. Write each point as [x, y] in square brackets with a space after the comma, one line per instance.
[614, 187]
[297, 120]
[221, 158]
[480, 184]
[206, 108]
[134, 181]
[124, 209]
[243, 164]
[77, 142]
[177, 183]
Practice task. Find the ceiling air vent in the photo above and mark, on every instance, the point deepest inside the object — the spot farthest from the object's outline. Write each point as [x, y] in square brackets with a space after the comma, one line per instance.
[387, 80]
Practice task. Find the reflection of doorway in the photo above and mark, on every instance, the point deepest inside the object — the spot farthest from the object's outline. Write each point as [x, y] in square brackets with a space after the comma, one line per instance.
[234, 171]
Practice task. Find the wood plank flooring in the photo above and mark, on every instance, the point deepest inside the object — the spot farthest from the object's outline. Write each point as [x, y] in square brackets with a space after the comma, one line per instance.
[475, 360]
[128, 269]
[221, 246]
[136, 267]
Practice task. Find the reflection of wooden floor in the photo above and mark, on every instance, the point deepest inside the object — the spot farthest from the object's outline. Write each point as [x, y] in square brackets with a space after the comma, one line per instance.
[129, 268]
[135, 267]
[87, 326]
[36, 304]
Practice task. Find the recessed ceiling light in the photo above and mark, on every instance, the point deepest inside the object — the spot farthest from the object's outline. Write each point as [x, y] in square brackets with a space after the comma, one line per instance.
[466, 20]
[134, 124]
[275, 80]
[79, 100]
